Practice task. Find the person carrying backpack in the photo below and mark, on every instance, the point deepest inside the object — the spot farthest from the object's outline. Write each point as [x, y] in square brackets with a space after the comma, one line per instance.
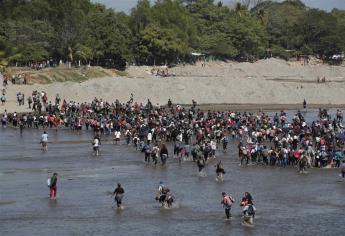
[249, 214]
[220, 171]
[3, 99]
[248, 210]
[227, 203]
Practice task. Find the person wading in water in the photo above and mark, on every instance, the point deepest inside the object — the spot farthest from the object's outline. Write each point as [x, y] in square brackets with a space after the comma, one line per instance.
[227, 203]
[44, 141]
[119, 193]
[53, 187]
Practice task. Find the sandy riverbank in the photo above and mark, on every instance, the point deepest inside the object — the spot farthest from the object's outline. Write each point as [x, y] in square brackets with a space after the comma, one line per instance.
[244, 85]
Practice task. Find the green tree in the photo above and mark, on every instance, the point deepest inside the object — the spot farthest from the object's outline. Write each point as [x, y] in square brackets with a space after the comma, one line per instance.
[319, 30]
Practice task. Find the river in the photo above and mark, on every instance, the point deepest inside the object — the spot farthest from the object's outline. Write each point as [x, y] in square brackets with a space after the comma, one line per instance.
[288, 203]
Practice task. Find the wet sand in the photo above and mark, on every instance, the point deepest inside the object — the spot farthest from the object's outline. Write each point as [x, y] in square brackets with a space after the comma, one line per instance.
[288, 203]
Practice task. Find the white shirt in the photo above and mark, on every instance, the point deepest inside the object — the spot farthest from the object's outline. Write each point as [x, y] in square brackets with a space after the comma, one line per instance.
[96, 142]
[213, 145]
[149, 136]
[44, 137]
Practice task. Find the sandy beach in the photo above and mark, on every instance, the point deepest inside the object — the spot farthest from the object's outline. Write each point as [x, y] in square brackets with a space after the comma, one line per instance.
[264, 84]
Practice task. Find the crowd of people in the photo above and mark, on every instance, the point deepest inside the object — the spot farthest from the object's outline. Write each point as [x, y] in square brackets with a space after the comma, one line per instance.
[14, 79]
[196, 136]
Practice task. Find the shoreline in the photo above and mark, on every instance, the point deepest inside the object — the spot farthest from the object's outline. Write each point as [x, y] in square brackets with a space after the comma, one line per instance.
[247, 107]
[262, 107]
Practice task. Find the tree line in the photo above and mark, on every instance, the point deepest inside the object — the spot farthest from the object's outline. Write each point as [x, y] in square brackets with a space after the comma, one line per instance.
[167, 31]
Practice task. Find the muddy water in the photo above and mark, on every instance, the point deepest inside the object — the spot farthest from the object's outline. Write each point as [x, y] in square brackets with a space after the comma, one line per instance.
[287, 203]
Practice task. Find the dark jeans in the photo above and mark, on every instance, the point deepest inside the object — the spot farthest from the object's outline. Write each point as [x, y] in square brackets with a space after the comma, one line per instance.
[227, 212]
[164, 158]
[147, 157]
[245, 159]
[337, 163]
[155, 160]
[162, 198]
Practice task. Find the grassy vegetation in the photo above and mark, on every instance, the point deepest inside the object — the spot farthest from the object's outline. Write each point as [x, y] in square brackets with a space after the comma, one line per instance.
[121, 73]
[50, 75]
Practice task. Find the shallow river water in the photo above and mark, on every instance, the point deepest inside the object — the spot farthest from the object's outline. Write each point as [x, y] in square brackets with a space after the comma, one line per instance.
[288, 203]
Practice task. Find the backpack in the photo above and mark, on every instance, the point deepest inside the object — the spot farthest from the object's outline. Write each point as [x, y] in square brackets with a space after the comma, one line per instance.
[250, 210]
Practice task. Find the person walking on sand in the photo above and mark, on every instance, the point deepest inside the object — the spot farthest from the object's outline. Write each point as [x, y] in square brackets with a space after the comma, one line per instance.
[44, 141]
[3, 99]
[29, 101]
[304, 104]
[53, 187]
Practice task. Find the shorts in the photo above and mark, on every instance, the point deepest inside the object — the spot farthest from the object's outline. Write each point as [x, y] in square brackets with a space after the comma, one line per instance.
[95, 148]
[118, 198]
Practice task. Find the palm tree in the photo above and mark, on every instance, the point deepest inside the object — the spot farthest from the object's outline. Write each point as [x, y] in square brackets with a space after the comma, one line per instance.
[262, 17]
[240, 9]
